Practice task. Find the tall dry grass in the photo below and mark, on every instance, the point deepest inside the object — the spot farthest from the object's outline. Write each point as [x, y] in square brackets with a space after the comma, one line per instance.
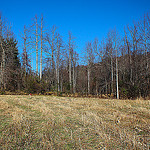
[47, 122]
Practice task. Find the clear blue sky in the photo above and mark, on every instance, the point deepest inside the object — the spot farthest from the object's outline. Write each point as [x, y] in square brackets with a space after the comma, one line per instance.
[86, 19]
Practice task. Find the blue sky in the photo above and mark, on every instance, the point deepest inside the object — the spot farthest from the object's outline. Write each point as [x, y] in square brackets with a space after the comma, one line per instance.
[86, 19]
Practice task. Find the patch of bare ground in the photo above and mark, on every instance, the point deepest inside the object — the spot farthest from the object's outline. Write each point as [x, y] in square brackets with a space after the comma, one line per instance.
[48, 122]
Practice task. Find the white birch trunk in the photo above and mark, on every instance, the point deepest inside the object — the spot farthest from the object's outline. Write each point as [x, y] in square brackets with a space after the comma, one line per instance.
[41, 48]
[36, 45]
[117, 84]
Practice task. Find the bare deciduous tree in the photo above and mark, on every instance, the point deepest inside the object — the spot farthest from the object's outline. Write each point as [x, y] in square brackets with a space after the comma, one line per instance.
[41, 38]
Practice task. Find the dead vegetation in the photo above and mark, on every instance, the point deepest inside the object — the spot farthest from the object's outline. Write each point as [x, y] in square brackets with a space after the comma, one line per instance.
[48, 122]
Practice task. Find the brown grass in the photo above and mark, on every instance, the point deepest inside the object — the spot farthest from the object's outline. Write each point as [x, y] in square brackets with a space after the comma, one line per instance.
[48, 122]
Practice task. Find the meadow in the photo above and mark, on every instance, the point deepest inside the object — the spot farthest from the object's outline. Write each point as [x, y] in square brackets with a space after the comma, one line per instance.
[51, 122]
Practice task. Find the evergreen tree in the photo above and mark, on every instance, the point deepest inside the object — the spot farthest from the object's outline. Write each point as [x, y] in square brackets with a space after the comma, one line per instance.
[12, 65]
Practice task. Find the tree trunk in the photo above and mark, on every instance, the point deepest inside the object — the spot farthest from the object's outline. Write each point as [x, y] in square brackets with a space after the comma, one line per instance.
[57, 65]
[53, 63]
[106, 92]
[74, 79]
[36, 45]
[70, 75]
[41, 47]
[146, 51]
[25, 51]
[88, 73]
[112, 74]
[1, 71]
[3, 57]
[130, 60]
[3, 67]
[117, 85]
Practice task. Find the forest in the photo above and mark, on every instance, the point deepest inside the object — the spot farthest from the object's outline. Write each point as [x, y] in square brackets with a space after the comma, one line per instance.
[117, 66]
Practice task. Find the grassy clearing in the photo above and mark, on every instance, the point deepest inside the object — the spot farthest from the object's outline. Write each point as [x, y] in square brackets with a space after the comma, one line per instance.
[47, 122]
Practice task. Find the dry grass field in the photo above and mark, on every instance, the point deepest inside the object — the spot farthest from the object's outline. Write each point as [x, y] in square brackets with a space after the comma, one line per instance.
[48, 122]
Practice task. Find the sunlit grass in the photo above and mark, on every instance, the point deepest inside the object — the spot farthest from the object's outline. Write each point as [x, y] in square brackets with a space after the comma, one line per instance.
[47, 122]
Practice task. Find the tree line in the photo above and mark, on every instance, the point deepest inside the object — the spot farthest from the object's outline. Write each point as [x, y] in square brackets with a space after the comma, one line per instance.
[117, 66]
